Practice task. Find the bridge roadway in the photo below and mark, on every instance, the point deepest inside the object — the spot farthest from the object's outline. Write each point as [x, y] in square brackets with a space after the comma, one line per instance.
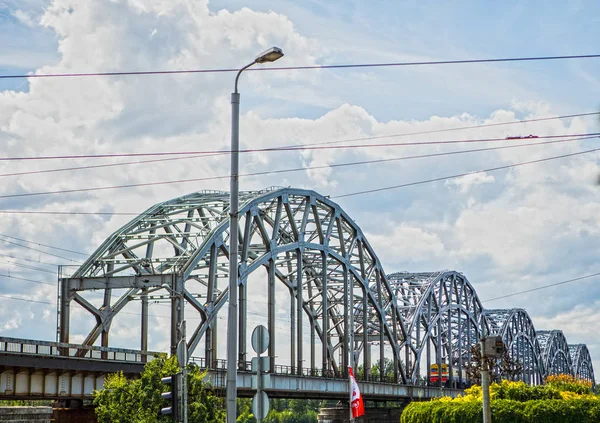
[31, 369]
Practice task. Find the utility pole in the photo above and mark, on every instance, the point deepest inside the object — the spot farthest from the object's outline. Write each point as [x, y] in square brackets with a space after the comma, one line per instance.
[485, 385]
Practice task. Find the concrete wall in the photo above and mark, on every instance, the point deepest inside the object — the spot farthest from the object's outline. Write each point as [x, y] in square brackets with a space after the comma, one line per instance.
[25, 414]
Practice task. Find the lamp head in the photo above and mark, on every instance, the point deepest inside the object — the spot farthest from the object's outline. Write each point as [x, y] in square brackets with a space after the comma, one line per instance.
[269, 55]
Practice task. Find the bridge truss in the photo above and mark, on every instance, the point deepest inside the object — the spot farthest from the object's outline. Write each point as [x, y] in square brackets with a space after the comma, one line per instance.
[342, 307]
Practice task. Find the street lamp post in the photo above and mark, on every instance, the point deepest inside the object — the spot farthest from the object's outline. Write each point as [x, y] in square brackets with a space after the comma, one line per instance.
[269, 55]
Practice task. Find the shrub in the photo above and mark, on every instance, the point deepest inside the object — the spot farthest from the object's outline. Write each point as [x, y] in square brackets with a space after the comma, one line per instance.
[569, 383]
[563, 400]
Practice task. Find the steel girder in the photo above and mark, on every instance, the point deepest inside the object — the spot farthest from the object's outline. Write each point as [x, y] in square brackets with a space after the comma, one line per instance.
[303, 239]
[582, 362]
[443, 316]
[518, 333]
[555, 352]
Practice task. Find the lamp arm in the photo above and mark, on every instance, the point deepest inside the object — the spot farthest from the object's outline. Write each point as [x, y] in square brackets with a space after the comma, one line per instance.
[239, 73]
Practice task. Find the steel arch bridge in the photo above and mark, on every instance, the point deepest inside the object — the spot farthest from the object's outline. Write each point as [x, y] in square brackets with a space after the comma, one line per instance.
[518, 333]
[342, 307]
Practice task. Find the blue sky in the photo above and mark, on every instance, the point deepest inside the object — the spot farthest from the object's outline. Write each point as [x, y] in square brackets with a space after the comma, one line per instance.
[507, 231]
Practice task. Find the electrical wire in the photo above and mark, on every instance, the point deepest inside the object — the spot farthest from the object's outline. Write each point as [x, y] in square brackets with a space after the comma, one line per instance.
[288, 170]
[542, 287]
[44, 245]
[287, 68]
[28, 259]
[289, 148]
[443, 178]
[39, 251]
[27, 280]
[25, 266]
[305, 144]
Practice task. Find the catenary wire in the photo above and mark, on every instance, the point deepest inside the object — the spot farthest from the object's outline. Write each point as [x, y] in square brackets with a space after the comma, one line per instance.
[443, 178]
[298, 169]
[543, 287]
[27, 280]
[287, 68]
[44, 245]
[304, 144]
[289, 148]
[28, 259]
[39, 251]
[25, 266]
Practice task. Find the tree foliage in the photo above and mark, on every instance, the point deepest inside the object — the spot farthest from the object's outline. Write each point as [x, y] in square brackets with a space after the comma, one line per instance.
[501, 368]
[139, 401]
[513, 402]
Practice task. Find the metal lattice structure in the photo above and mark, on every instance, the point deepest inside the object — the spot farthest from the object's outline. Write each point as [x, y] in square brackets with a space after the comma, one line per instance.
[304, 240]
[518, 333]
[555, 352]
[443, 316]
[336, 286]
[582, 362]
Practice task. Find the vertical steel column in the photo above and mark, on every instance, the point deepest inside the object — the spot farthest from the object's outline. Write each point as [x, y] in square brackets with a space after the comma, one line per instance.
[300, 306]
[177, 312]
[242, 318]
[209, 352]
[271, 313]
[460, 346]
[418, 345]
[346, 349]
[292, 328]
[325, 311]
[144, 324]
[105, 328]
[381, 328]
[65, 310]
[366, 344]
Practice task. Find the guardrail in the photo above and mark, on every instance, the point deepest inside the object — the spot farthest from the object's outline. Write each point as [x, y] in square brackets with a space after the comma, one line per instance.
[61, 349]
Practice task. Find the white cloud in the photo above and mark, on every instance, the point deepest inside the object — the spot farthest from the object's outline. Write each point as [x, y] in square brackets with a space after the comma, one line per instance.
[465, 183]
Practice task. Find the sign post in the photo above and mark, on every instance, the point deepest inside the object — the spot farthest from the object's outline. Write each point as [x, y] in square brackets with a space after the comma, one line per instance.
[260, 402]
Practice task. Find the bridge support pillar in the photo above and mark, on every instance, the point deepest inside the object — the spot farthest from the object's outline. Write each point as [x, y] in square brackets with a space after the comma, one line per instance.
[25, 414]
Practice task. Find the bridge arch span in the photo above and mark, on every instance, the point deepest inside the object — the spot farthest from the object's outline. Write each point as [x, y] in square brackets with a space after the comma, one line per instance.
[555, 352]
[444, 319]
[303, 240]
[582, 362]
[518, 333]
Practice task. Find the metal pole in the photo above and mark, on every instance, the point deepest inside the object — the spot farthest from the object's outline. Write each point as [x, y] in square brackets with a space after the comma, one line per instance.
[485, 387]
[183, 364]
[233, 261]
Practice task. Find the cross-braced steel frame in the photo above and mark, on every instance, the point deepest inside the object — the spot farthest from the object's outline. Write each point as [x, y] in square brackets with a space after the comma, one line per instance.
[555, 352]
[444, 319]
[303, 239]
[518, 333]
[335, 283]
[582, 362]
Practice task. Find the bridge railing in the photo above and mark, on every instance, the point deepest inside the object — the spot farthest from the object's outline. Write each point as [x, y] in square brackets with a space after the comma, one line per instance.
[58, 349]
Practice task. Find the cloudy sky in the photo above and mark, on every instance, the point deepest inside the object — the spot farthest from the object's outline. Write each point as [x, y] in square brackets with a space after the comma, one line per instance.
[507, 231]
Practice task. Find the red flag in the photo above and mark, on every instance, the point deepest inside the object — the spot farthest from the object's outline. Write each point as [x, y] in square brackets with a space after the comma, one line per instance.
[356, 402]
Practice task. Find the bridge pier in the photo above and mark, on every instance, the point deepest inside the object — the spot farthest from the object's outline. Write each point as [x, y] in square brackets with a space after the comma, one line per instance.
[372, 415]
[25, 414]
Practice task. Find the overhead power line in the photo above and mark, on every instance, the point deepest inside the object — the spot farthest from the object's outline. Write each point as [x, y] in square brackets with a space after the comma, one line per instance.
[38, 250]
[44, 245]
[37, 172]
[443, 178]
[309, 67]
[292, 148]
[270, 172]
[543, 287]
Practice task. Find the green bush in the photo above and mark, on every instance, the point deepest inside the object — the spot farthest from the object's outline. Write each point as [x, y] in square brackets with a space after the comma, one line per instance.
[504, 411]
